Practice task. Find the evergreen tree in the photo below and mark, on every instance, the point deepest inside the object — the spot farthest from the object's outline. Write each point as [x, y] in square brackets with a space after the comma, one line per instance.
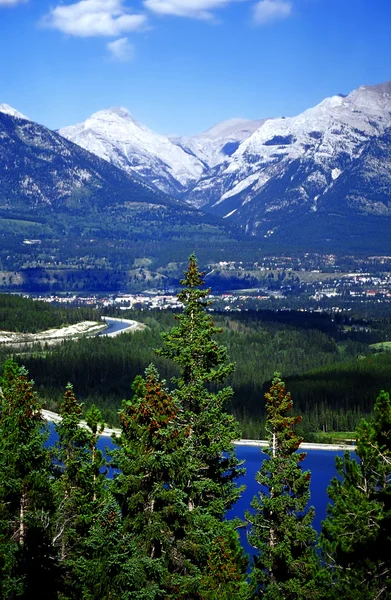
[280, 527]
[111, 567]
[181, 547]
[26, 502]
[79, 487]
[210, 467]
[356, 535]
[152, 466]
[202, 366]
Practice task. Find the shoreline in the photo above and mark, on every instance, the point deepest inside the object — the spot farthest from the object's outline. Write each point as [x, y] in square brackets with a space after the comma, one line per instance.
[303, 445]
[49, 415]
[73, 332]
[131, 326]
[52, 336]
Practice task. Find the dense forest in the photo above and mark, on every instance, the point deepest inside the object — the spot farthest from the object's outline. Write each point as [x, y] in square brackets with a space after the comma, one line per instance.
[333, 363]
[148, 523]
[25, 315]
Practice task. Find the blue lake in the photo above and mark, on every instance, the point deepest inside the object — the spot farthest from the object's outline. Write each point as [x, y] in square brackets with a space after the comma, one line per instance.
[321, 463]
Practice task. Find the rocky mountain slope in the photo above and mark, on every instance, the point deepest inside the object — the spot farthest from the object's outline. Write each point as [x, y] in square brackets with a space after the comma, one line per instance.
[288, 164]
[46, 177]
[364, 188]
[39, 168]
[252, 173]
[116, 137]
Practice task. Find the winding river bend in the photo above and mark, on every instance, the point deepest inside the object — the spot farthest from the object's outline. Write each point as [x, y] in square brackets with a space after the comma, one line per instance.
[118, 326]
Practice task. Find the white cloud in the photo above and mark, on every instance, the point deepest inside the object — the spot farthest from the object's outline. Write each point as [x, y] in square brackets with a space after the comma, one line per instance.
[89, 18]
[121, 50]
[198, 9]
[266, 11]
[11, 2]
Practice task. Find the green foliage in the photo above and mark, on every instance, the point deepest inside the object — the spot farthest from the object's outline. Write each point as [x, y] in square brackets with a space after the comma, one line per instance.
[280, 527]
[26, 315]
[211, 431]
[177, 462]
[356, 535]
[111, 566]
[26, 502]
[80, 486]
[333, 397]
[152, 467]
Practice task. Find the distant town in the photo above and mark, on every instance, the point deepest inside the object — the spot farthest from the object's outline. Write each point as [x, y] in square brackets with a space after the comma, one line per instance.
[312, 282]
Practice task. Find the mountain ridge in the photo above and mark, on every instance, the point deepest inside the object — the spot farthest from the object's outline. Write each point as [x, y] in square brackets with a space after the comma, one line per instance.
[258, 174]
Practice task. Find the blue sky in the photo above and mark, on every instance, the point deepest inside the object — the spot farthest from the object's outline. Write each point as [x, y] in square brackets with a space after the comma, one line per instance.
[181, 66]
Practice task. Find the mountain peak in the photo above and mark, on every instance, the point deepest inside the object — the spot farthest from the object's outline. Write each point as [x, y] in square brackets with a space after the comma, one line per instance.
[114, 111]
[114, 135]
[120, 111]
[382, 88]
[239, 128]
[8, 110]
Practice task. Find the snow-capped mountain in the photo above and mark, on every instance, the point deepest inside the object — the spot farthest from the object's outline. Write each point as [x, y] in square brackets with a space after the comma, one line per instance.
[8, 110]
[217, 143]
[55, 188]
[288, 163]
[262, 174]
[250, 172]
[171, 164]
[116, 137]
[41, 169]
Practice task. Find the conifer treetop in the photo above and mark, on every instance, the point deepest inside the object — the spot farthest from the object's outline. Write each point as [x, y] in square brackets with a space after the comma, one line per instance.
[279, 424]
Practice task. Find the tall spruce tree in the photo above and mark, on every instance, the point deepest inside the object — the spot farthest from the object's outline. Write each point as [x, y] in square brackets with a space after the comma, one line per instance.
[79, 487]
[356, 535]
[152, 464]
[281, 529]
[202, 366]
[112, 567]
[210, 466]
[26, 502]
[181, 549]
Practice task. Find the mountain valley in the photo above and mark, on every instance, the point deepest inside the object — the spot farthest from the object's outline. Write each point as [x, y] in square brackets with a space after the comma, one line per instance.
[261, 174]
[109, 192]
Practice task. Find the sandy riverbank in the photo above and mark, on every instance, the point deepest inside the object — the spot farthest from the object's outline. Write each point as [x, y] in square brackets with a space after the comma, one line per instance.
[52, 336]
[54, 417]
[304, 445]
[56, 336]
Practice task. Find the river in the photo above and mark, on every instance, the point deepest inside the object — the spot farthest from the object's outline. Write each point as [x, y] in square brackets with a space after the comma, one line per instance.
[116, 326]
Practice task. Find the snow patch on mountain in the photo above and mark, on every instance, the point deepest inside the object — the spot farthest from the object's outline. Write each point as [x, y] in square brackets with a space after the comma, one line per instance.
[117, 137]
[314, 147]
[219, 142]
[8, 110]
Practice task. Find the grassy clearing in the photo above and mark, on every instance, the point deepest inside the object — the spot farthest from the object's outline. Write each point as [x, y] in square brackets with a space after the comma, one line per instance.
[381, 347]
[335, 437]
